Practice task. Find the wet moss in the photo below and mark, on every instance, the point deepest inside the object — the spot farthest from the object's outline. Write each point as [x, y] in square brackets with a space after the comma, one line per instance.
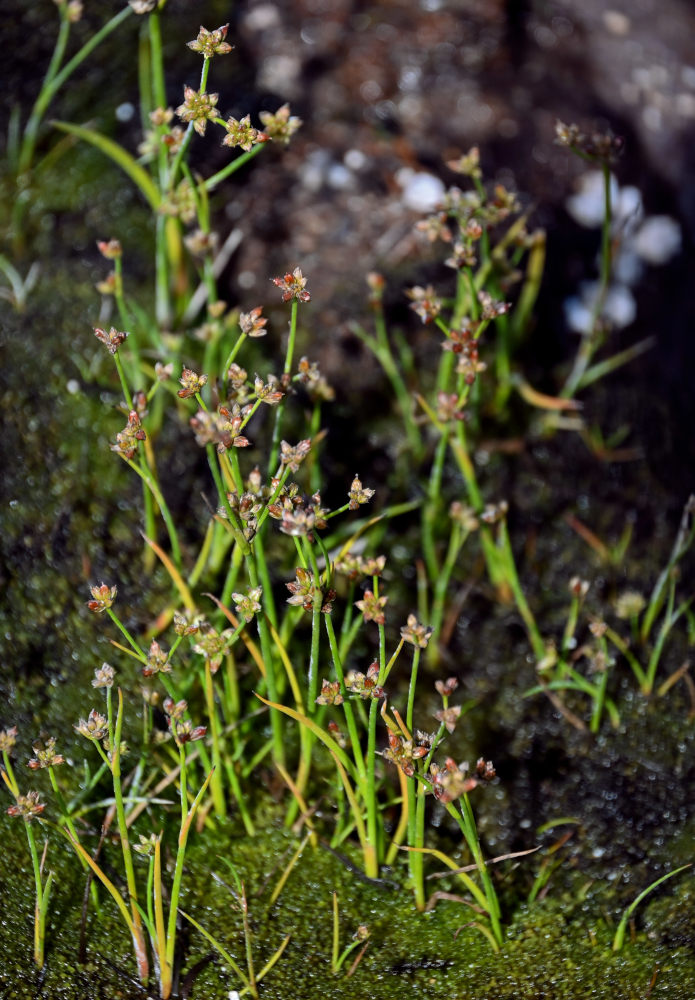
[558, 948]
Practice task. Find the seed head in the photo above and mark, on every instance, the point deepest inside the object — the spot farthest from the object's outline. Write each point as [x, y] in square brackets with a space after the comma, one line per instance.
[110, 249]
[211, 43]
[191, 382]
[103, 676]
[103, 597]
[253, 323]
[293, 286]
[198, 107]
[241, 133]
[94, 728]
[415, 633]
[28, 806]
[247, 605]
[358, 495]
[372, 607]
[447, 687]
[183, 626]
[365, 685]
[449, 716]
[157, 661]
[330, 693]
[281, 126]
[451, 781]
[425, 302]
[127, 439]
[8, 738]
[111, 340]
[45, 755]
[403, 753]
[292, 456]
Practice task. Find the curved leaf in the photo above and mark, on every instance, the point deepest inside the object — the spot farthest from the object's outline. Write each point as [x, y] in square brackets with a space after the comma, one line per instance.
[120, 156]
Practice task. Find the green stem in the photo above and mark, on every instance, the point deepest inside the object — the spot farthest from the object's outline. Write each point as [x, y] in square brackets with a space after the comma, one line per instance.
[50, 89]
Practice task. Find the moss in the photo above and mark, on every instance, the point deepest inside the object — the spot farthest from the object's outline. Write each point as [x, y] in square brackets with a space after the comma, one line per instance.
[558, 948]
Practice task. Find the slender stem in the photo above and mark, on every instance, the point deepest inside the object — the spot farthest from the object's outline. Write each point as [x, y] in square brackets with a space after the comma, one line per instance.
[50, 89]
[115, 763]
[151, 483]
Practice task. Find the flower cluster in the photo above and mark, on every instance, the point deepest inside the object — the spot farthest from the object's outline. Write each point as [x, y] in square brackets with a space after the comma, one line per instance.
[211, 43]
[111, 340]
[358, 494]
[242, 133]
[365, 685]
[372, 607]
[248, 605]
[223, 429]
[403, 753]
[103, 597]
[181, 729]
[293, 286]
[330, 693]
[299, 518]
[304, 591]
[127, 440]
[416, 634]
[27, 806]
[280, 127]
[424, 302]
[198, 108]
[191, 383]
[45, 755]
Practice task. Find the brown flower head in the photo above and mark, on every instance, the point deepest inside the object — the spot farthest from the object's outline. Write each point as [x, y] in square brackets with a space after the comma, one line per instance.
[45, 755]
[292, 456]
[242, 133]
[365, 685]
[281, 126]
[372, 607]
[330, 693]
[198, 107]
[425, 302]
[8, 739]
[103, 597]
[449, 716]
[93, 728]
[248, 605]
[103, 676]
[451, 781]
[403, 753]
[358, 494]
[293, 286]
[127, 439]
[27, 806]
[447, 687]
[111, 340]
[157, 661]
[191, 382]
[253, 323]
[415, 633]
[211, 43]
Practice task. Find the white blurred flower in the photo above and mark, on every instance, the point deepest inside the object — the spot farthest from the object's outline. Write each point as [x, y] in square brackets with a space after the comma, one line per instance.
[421, 192]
